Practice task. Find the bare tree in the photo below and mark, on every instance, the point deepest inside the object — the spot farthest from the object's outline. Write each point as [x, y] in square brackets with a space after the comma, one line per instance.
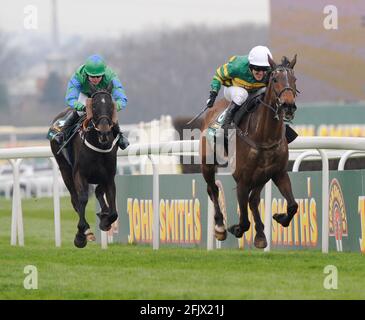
[10, 66]
[10, 60]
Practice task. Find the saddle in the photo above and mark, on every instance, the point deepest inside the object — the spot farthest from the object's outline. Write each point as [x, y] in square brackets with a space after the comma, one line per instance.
[249, 106]
[70, 132]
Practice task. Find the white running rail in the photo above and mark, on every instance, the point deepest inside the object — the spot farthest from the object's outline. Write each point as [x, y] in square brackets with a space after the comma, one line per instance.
[312, 146]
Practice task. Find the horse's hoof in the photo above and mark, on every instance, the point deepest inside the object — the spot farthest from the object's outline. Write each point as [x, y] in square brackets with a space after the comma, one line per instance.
[236, 230]
[80, 240]
[260, 241]
[104, 225]
[112, 217]
[90, 237]
[281, 218]
[105, 221]
[220, 233]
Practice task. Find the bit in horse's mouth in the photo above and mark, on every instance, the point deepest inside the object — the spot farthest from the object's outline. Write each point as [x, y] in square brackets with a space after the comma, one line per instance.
[289, 117]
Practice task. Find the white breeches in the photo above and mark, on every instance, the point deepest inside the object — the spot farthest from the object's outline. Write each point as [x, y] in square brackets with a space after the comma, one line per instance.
[82, 98]
[236, 94]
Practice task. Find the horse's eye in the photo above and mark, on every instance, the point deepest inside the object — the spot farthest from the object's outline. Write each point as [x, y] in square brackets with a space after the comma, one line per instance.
[275, 80]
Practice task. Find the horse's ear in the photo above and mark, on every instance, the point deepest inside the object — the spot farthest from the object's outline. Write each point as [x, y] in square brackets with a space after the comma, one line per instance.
[293, 62]
[271, 61]
[110, 87]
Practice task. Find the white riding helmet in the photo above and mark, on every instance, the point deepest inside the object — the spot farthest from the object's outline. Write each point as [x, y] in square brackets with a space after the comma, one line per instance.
[258, 56]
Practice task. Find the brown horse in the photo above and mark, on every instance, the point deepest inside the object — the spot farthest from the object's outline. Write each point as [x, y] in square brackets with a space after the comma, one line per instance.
[261, 154]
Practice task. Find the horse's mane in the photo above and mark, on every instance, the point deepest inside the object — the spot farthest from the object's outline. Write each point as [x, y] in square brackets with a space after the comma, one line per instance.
[285, 62]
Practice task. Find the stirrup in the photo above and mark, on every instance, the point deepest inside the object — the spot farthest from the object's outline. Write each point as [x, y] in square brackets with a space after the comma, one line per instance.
[226, 124]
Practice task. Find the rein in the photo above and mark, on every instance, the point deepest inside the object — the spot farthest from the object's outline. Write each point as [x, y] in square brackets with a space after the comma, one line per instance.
[92, 147]
[93, 126]
[287, 87]
[263, 146]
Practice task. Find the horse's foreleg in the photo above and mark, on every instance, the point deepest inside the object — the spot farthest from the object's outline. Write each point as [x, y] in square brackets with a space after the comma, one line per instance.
[81, 187]
[254, 201]
[244, 224]
[99, 193]
[106, 220]
[213, 192]
[66, 172]
[283, 183]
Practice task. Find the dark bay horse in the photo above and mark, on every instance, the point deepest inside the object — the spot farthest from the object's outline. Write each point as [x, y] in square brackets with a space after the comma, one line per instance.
[260, 156]
[94, 156]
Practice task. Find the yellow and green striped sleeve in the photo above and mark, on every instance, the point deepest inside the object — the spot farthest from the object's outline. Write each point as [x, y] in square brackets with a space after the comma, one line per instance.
[220, 77]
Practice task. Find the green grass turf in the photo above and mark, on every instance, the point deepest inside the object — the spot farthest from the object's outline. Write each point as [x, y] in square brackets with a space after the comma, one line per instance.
[138, 272]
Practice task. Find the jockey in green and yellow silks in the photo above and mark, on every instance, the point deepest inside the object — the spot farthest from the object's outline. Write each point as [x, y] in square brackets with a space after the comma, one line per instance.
[78, 93]
[241, 75]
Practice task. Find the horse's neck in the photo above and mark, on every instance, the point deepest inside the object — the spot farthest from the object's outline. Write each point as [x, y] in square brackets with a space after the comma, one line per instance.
[267, 127]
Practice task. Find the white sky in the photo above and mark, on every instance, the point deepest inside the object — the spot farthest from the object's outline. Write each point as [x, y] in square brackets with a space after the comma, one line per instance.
[116, 17]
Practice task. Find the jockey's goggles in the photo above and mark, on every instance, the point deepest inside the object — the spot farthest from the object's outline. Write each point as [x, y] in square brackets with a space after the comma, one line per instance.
[259, 68]
[94, 76]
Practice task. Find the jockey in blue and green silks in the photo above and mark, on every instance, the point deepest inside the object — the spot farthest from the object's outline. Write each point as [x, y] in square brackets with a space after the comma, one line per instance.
[78, 94]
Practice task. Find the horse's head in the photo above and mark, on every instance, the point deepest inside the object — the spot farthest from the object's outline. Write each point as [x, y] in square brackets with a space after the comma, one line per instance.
[102, 113]
[282, 81]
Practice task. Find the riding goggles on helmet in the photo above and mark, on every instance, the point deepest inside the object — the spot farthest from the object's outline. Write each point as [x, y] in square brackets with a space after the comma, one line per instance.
[259, 68]
[90, 76]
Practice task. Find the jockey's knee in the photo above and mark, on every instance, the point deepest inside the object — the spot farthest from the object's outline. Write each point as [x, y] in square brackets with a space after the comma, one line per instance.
[239, 100]
[240, 97]
[237, 95]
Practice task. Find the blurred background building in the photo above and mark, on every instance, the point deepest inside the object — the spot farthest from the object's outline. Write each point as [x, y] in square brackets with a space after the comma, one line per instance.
[331, 54]
[166, 52]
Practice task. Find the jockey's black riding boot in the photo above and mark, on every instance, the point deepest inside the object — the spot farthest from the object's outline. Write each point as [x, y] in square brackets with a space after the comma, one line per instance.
[231, 110]
[68, 120]
[123, 141]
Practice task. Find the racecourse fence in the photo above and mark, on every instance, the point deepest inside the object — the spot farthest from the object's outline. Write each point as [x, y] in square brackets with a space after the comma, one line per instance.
[36, 180]
[304, 147]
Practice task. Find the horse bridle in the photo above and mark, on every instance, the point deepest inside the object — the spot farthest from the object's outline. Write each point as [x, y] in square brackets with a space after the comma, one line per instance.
[287, 86]
[103, 116]
[278, 103]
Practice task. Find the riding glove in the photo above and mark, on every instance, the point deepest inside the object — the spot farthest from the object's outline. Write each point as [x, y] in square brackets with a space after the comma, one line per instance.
[212, 97]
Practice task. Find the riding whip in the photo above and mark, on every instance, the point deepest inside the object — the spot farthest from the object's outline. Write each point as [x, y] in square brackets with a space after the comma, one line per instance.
[72, 135]
[198, 115]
